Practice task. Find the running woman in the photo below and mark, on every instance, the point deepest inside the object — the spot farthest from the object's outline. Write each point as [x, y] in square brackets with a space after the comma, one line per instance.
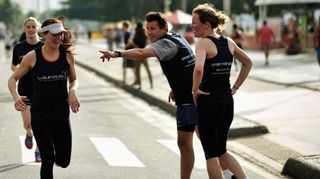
[31, 27]
[52, 65]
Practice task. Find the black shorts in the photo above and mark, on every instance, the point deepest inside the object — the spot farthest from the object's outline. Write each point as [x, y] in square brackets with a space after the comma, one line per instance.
[215, 115]
[7, 47]
[186, 116]
[127, 63]
[27, 101]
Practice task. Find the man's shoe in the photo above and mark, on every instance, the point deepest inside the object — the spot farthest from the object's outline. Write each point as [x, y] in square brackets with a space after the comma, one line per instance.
[37, 157]
[28, 142]
[227, 174]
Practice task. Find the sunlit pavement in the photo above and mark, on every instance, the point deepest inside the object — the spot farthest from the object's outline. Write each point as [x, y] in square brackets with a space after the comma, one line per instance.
[300, 74]
[257, 109]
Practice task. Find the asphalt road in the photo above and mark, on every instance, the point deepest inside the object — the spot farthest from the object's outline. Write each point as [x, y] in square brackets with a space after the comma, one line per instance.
[115, 135]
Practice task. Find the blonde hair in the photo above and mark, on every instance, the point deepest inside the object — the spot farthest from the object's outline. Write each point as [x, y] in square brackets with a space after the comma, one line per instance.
[31, 19]
[207, 13]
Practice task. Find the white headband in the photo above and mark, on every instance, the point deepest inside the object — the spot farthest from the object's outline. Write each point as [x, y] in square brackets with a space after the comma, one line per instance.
[53, 28]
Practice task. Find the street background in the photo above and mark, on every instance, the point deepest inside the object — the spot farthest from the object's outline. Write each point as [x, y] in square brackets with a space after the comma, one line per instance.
[283, 97]
[115, 135]
[124, 132]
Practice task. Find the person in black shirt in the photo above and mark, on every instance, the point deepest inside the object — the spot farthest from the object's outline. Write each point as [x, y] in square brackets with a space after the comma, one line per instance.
[177, 62]
[52, 66]
[140, 41]
[25, 85]
[127, 63]
[211, 87]
[236, 35]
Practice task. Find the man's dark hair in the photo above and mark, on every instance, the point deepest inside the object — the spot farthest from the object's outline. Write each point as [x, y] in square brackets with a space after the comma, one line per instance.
[125, 24]
[264, 22]
[156, 16]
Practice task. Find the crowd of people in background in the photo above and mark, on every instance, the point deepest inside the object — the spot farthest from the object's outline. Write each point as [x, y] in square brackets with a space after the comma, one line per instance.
[316, 41]
[128, 36]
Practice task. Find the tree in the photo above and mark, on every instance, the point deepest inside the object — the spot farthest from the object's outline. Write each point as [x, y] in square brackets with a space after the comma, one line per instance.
[111, 10]
[80, 9]
[10, 14]
[115, 10]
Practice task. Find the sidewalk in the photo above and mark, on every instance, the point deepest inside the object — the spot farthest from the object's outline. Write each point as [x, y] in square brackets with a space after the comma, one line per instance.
[301, 70]
[282, 69]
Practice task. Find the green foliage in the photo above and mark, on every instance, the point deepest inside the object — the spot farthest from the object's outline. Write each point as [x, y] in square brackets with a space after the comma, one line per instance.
[108, 10]
[115, 10]
[10, 14]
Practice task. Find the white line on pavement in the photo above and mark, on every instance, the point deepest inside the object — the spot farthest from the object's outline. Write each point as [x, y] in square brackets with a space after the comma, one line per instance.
[200, 162]
[115, 152]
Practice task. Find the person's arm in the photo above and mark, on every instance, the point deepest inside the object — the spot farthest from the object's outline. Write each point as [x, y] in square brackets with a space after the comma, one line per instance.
[163, 49]
[134, 54]
[246, 62]
[241, 35]
[15, 59]
[131, 41]
[258, 35]
[27, 64]
[316, 36]
[13, 67]
[138, 53]
[273, 37]
[200, 50]
[73, 85]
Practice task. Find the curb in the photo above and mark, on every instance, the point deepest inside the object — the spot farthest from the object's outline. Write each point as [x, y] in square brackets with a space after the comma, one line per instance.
[252, 128]
[284, 83]
[303, 167]
[249, 130]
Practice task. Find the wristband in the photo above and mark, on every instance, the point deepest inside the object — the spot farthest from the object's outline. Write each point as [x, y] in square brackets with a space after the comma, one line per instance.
[118, 53]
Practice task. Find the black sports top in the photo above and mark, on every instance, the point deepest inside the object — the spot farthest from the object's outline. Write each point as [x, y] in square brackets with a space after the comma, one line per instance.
[217, 69]
[179, 70]
[50, 95]
[19, 51]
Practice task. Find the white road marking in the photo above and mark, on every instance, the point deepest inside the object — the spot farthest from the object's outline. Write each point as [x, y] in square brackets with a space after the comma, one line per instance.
[115, 152]
[167, 124]
[200, 161]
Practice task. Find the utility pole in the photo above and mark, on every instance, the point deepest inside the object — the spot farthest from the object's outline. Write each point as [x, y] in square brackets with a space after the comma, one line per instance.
[167, 5]
[184, 5]
[48, 5]
[227, 7]
[37, 6]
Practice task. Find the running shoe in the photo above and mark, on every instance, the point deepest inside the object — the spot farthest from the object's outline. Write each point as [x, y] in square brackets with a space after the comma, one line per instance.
[28, 142]
[227, 174]
[37, 157]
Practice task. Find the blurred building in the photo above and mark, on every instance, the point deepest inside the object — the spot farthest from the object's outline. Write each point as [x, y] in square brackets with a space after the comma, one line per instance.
[263, 4]
[296, 21]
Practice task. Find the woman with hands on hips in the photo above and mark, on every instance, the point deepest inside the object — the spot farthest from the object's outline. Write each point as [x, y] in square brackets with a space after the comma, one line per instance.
[211, 87]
